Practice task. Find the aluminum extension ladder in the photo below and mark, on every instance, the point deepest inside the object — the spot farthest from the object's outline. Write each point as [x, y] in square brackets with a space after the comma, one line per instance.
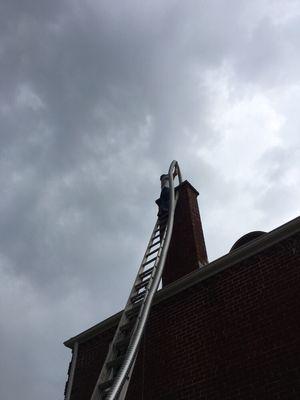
[116, 371]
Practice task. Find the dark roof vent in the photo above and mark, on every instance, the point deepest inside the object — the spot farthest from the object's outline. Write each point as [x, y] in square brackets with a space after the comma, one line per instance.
[246, 239]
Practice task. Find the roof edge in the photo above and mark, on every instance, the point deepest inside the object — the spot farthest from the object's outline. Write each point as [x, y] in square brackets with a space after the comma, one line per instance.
[216, 266]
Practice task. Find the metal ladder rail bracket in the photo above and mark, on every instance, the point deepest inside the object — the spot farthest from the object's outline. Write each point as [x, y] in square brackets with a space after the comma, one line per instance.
[119, 384]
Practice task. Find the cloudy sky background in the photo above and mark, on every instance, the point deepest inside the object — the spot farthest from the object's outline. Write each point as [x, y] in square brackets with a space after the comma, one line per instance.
[96, 99]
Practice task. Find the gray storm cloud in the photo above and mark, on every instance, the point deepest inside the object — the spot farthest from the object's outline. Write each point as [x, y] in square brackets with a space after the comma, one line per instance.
[96, 99]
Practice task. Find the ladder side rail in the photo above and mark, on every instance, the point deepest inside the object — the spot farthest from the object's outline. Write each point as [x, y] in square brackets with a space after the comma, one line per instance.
[123, 392]
[124, 387]
[104, 374]
[138, 331]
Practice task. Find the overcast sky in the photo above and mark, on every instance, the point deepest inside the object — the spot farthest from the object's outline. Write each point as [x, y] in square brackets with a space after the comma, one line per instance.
[96, 99]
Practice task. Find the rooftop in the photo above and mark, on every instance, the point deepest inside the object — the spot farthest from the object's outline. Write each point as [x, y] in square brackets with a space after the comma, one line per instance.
[239, 254]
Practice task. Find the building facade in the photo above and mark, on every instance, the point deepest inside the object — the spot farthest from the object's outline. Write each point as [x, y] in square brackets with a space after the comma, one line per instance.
[229, 329]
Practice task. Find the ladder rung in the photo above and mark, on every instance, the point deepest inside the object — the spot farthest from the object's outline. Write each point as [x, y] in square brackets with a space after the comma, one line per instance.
[156, 236]
[115, 363]
[152, 252]
[122, 343]
[126, 327]
[132, 312]
[154, 244]
[163, 224]
[137, 297]
[140, 285]
[165, 216]
[146, 273]
[149, 262]
[105, 385]
[160, 226]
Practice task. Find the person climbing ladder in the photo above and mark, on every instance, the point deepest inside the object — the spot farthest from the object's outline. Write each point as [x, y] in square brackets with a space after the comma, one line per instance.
[164, 200]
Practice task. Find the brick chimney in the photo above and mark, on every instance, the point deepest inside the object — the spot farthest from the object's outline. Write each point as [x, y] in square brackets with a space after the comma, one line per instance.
[187, 251]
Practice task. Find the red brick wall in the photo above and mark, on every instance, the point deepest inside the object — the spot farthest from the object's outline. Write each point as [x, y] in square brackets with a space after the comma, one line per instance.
[91, 356]
[235, 335]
